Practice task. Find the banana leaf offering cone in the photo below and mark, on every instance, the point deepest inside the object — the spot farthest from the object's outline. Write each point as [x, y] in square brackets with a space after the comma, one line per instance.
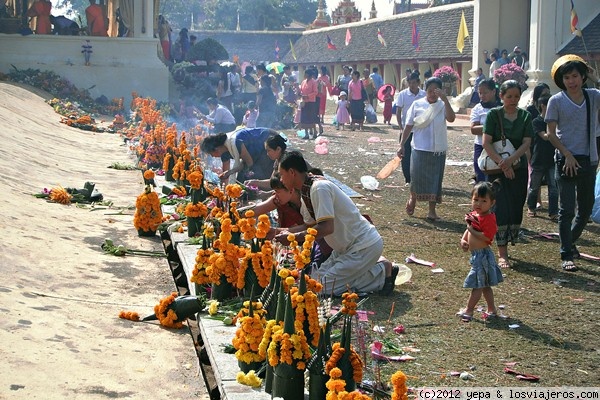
[317, 378]
[183, 306]
[288, 382]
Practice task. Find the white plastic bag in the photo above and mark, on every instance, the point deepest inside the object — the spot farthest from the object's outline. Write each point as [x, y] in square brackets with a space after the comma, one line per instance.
[369, 183]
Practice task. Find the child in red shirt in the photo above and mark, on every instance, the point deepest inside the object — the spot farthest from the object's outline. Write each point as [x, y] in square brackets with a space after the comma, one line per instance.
[479, 235]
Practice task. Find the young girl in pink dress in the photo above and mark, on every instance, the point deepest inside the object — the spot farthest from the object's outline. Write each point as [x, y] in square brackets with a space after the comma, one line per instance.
[341, 114]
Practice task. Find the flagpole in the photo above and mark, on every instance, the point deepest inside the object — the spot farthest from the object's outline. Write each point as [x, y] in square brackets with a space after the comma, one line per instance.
[587, 54]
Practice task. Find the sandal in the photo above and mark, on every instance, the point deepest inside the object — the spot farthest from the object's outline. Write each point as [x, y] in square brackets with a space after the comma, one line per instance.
[569, 266]
[503, 263]
[531, 213]
[464, 317]
[410, 210]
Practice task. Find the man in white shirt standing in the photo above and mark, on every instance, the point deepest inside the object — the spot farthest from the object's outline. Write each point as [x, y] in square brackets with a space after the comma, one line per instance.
[403, 102]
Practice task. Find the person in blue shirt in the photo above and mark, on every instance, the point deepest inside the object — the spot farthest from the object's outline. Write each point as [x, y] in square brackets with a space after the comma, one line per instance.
[377, 79]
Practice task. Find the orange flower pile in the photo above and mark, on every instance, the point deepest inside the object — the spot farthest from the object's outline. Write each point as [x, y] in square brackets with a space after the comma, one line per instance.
[166, 317]
[233, 191]
[399, 384]
[60, 195]
[249, 334]
[130, 315]
[148, 214]
[196, 210]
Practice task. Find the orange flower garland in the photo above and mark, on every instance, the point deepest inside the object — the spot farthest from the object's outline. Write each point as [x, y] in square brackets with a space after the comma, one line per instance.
[60, 195]
[166, 317]
[336, 387]
[196, 210]
[305, 307]
[130, 315]
[148, 214]
[195, 179]
[338, 352]
[399, 384]
[179, 191]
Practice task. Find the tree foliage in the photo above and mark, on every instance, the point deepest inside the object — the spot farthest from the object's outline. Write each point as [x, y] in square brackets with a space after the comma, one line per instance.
[208, 50]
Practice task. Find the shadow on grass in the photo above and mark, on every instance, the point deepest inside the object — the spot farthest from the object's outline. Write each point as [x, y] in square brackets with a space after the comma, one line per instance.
[531, 334]
[569, 280]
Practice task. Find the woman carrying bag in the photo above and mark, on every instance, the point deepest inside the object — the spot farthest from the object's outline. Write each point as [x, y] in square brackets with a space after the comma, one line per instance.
[515, 124]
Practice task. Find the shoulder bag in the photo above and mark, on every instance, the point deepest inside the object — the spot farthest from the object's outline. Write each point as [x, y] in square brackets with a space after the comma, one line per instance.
[503, 147]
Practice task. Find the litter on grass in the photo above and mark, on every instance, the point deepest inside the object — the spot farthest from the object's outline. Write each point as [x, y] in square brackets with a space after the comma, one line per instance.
[413, 259]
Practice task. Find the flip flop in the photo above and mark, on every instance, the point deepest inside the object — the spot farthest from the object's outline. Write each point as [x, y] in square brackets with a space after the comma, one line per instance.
[503, 263]
[410, 210]
[569, 266]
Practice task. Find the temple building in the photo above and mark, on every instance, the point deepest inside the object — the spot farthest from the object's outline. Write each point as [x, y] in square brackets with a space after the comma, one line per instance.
[345, 13]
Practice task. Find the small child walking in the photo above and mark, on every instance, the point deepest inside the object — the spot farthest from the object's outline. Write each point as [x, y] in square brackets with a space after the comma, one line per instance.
[249, 120]
[542, 164]
[480, 232]
[341, 113]
[388, 99]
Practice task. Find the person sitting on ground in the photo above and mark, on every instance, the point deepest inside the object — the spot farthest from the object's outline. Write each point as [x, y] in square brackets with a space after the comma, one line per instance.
[96, 20]
[221, 118]
[356, 261]
[64, 26]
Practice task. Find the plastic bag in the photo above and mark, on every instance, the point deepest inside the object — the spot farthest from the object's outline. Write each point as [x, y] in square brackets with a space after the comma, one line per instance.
[369, 183]
[370, 114]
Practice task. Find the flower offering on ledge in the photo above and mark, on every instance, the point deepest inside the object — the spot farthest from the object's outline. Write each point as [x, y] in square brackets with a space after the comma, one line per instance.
[447, 74]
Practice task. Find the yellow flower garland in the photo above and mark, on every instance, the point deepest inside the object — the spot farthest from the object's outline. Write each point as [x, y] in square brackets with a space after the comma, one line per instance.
[249, 334]
[289, 349]
[199, 274]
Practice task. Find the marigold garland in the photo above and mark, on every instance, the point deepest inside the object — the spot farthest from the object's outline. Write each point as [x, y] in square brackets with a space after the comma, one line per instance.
[336, 387]
[179, 191]
[399, 383]
[149, 174]
[130, 315]
[195, 179]
[355, 361]
[199, 274]
[289, 349]
[249, 334]
[148, 214]
[167, 317]
[198, 210]
[305, 307]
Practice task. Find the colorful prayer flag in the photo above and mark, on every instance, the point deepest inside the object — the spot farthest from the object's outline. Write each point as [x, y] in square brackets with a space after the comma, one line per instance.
[380, 37]
[293, 51]
[330, 44]
[415, 35]
[348, 36]
[463, 33]
[574, 21]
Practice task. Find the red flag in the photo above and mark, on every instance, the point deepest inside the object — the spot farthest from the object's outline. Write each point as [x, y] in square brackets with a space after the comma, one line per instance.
[330, 44]
[415, 35]
[348, 36]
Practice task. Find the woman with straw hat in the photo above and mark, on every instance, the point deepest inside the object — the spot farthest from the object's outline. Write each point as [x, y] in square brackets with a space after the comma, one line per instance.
[572, 118]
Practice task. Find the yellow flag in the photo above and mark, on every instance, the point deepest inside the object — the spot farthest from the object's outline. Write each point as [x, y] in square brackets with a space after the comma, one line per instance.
[292, 49]
[463, 32]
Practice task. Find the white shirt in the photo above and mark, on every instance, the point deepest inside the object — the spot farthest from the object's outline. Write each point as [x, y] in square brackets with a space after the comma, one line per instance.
[405, 99]
[221, 115]
[352, 232]
[433, 137]
[479, 115]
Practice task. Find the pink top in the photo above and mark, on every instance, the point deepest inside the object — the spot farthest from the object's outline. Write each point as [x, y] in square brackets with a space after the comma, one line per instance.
[354, 90]
[309, 90]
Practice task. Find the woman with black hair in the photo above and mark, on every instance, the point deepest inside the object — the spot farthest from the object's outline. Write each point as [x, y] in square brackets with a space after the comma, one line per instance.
[245, 148]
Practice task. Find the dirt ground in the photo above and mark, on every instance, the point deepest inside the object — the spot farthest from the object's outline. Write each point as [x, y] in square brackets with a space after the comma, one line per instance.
[556, 312]
[60, 294]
